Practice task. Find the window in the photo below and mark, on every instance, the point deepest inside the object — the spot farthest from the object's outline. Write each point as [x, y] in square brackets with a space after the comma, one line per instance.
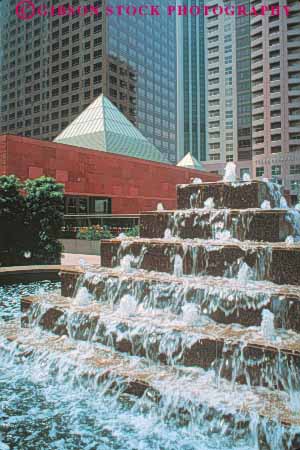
[87, 205]
[214, 146]
[295, 169]
[260, 171]
[276, 170]
[295, 185]
[214, 157]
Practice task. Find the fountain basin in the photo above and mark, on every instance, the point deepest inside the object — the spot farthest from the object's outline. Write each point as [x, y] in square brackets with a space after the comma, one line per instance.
[95, 365]
[27, 274]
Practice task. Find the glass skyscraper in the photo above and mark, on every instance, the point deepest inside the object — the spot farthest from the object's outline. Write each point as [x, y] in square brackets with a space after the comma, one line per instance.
[52, 68]
[148, 46]
[191, 112]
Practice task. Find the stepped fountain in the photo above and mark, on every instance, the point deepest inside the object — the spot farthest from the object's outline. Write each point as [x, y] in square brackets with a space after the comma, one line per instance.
[198, 320]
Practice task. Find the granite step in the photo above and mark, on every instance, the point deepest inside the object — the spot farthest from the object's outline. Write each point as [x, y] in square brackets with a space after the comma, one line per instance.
[239, 195]
[181, 389]
[249, 224]
[225, 301]
[277, 262]
[237, 353]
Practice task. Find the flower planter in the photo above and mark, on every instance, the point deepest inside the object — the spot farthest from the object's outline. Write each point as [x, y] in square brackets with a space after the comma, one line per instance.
[81, 246]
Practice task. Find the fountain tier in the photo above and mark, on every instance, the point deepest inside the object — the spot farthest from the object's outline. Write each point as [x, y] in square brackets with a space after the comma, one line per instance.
[229, 301]
[236, 353]
[206, 328]
[249, 224]
[187, 390]
[273, 262]
[228, 195]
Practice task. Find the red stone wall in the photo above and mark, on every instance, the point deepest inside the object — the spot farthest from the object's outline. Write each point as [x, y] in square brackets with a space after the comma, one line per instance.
[133, 184]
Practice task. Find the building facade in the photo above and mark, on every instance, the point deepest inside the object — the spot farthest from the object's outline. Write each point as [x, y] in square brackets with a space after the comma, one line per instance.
[228, 88]
[220, 61]
[52, 68]
[191, 93]
[275, 61]
[95, 181]
[252, 76]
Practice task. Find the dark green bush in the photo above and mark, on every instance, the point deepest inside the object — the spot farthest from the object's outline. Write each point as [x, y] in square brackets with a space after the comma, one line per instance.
[45, 212]
[94, 233]
[12, 218]
[30, 223]
[133, 232]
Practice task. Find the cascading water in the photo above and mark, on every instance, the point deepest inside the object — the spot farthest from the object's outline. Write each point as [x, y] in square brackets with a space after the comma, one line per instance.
[293, 218]
[168, 233]
[149, 360]
[245, 273]
[265, 204]
[290, 240]
[223, 235]
[246, 177]
[283, 203]
[127, 263]
[178, 266]
[230, 172]
[83, 297]
[209, 203]
[128, 305]
[267, 325]
[190, 314]
[197, 181]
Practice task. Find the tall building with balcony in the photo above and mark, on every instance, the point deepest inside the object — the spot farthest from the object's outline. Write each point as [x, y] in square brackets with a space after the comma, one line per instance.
[222, 87]
[228, 81]
[52, 68]
[275, 65]
[252, 95]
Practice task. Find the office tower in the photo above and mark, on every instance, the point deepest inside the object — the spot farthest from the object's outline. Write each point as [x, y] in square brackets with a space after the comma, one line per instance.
[275, 50]
[228, 75]
[191, 108]
[148, 45]
[252, 75]
[52, 68]
[215, 85]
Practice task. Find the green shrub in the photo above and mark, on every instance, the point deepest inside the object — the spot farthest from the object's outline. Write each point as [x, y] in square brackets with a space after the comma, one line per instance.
[44, 215]
[133, 232]
[12, 217]
[94, 233]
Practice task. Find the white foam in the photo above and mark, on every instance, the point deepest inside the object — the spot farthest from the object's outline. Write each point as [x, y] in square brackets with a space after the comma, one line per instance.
[230, 172]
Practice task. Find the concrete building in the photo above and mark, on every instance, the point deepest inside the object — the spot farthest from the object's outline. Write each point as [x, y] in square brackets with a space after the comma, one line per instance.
[275, 52]
[52, 68]
[221, 95]
[252, 76]
[228, 87]
[266, 144]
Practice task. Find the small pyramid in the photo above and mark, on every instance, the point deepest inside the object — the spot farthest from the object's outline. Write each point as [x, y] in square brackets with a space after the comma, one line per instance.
[101, 126]
[190, 162]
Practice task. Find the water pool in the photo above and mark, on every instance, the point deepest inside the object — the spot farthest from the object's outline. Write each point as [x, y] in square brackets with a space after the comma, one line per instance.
[41, 409]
